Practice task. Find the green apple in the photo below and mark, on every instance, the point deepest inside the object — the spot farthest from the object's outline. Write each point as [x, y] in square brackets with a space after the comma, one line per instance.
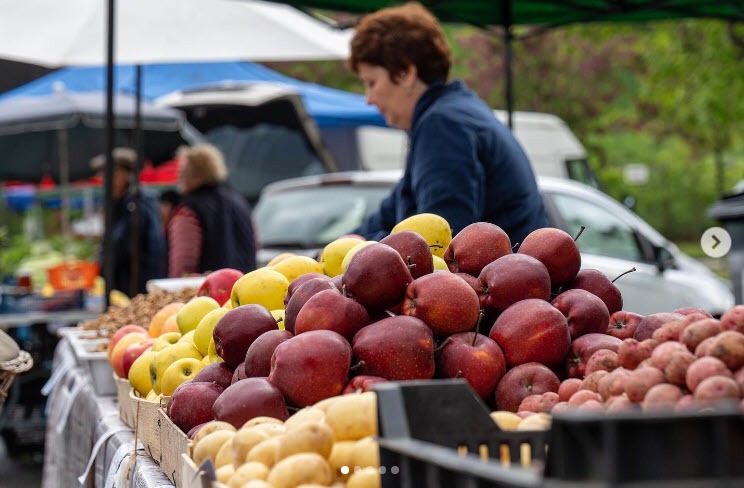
[195, 309]
[203, 331]
[168, 356]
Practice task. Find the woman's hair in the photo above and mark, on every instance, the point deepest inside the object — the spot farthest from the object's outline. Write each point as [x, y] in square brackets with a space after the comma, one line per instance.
[397, 37]
[203, 162]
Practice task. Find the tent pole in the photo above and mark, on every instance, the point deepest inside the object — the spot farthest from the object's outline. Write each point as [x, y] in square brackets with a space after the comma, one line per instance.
[64, 180]
[108, 251]
[506, 21]
[134, 191]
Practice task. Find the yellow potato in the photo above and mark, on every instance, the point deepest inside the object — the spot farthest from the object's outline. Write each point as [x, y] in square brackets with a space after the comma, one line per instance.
[210, 445]
[209, 427]
[364, 478]
[224, 455]
[272, 430]
[506, 420]
[308, 467]
[307, 414]
[341, 456]
[538, 421]
[257, 484]
[307, 437]
[261, 420]
[248, 472]
[365, 453]
[245, 439]
[326, 403]
[264, 452]
[224, 473]
[353, 416]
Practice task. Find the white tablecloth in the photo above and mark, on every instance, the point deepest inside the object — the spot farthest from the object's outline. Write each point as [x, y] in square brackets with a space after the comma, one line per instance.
[77, 420]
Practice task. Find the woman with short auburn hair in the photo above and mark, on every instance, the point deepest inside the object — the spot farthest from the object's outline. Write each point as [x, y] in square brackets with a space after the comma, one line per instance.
[462, 163]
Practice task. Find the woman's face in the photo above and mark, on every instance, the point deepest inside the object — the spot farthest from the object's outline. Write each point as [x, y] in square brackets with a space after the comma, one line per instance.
[394, 100]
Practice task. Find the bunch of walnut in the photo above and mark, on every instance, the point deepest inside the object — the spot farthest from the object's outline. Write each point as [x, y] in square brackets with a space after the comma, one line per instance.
[139, 311]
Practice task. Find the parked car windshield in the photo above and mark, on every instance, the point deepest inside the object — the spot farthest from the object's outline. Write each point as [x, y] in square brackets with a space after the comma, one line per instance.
[313, 217]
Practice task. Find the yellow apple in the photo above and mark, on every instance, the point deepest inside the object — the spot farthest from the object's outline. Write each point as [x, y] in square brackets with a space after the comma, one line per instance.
[439, 263]
[168, 356]
[350, 253]
[158, 320]
[333, 254]
[194, 310]
[434, 228]
[279, 317]
[280, 257]
[227, 304]
[264, 286]
[212, 353]
[188, 337]
[139, 373]
[165, 340]
[152, 396]
[179, 371]
[295, 266]
[203, 331]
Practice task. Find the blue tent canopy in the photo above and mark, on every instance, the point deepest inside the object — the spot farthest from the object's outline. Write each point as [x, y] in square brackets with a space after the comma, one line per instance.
[328, 106]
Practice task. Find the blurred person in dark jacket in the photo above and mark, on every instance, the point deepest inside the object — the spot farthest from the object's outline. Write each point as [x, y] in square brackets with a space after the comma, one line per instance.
[151, 245]
[463, 164]
[211, 228]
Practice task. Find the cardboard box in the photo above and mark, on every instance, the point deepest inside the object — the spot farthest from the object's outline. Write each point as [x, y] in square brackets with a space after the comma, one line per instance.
[174, 443]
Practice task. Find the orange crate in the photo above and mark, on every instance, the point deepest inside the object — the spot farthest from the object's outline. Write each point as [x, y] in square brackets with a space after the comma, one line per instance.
[73, 275]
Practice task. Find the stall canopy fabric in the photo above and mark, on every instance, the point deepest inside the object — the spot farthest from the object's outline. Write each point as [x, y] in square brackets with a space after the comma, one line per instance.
[328, 106]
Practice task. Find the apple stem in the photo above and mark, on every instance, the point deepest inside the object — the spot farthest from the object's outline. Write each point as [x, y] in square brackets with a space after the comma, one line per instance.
[411, 266]
[581, 231]
[345, 290]
[516, 245]
[441, 346]
[356, 366]
[459, 373]
[623, 274]
[390, 314]
[481, 314]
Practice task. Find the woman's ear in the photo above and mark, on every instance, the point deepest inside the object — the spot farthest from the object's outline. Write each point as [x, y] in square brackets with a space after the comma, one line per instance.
[410, 75]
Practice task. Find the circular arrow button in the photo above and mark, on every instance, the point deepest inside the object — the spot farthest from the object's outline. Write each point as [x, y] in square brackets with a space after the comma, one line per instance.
[716, 242]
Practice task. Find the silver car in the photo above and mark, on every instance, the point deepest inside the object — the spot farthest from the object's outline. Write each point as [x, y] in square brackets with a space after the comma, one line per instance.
[302, 215]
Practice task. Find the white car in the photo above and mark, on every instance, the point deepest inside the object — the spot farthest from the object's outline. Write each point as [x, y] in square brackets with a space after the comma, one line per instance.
[302, 215]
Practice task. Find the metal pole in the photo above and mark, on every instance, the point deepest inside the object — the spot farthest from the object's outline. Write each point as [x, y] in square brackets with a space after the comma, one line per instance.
[64, 181]
[506, 21]
[136, 221]
[108, 251]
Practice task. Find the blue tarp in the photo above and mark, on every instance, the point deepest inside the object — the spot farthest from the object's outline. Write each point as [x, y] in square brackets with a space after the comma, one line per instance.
[328, 106]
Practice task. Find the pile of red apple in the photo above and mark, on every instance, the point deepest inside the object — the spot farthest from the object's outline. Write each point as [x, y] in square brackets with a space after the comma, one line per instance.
[528, 330]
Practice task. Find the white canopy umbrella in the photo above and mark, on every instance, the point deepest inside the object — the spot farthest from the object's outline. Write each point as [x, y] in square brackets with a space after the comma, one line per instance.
[73, 32]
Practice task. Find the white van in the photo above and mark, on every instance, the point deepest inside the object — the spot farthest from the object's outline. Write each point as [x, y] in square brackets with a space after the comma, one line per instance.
[550, 145]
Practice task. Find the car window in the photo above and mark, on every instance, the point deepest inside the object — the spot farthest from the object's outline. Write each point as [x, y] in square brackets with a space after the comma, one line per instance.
[604, 235]
[312, 217]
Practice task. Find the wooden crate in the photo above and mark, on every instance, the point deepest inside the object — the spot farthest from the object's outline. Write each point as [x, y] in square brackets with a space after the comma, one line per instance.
[147, 424]
[174, 443]
[191, 477]
[126, 403]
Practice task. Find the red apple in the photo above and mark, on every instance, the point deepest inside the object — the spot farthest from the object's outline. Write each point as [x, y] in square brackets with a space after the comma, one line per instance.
[331, 310]
[310, 367]
[596, 282]
[132, 352]
[475, 246]
[396, 348]
[258, 357]
[414, 250]
[377, 277]
[121, 332]
[582, 349]
[444, 301]
[249, 398]
[299, 281]
[301, 295]
[584, 311]
[237, 329]
[474, 357]
[512, 278]
[238, 374]
[556, 250]
[522, 381]
[532, 330]
[218, 372]
[623, 324]
[191, 404]
[218, 284]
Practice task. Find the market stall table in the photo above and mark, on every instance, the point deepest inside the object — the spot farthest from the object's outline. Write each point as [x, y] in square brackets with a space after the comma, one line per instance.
[87, 444]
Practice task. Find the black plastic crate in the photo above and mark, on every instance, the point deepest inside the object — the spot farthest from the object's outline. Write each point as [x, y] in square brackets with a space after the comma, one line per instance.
[438, 433]
[663, 449]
